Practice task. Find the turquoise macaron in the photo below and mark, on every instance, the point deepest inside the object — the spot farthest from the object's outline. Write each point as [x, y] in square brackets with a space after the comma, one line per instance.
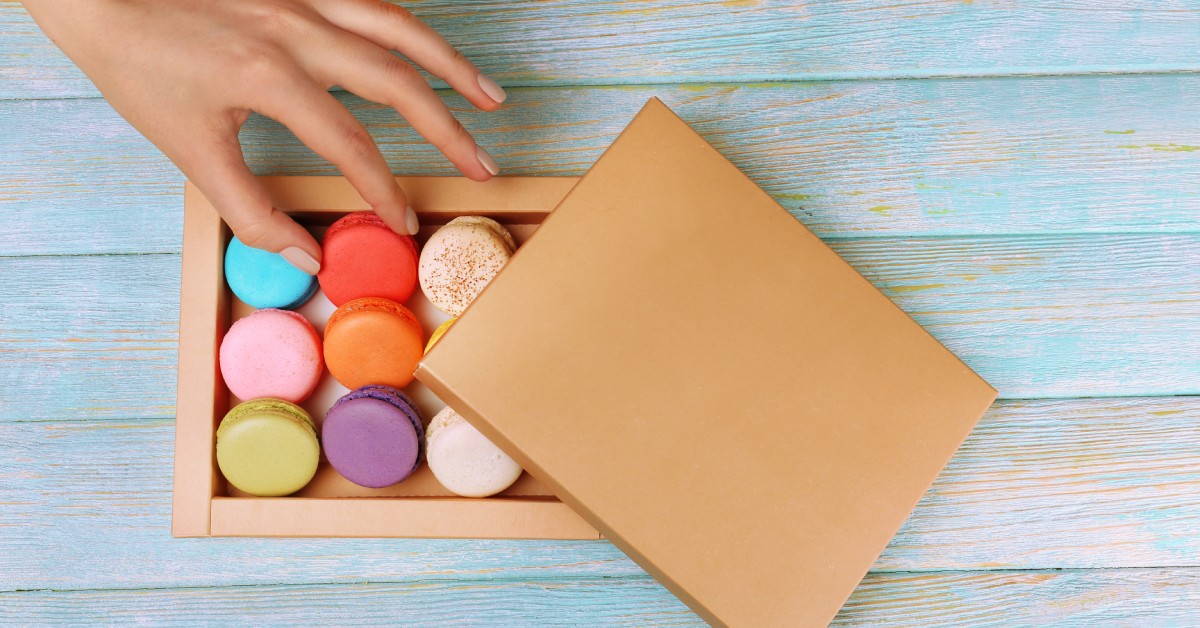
[262, 279]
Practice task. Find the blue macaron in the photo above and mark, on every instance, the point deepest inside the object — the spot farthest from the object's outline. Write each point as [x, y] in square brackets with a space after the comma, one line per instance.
[262, 279]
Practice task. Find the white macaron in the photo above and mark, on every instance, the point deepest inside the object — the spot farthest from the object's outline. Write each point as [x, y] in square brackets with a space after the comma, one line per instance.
[463, 460]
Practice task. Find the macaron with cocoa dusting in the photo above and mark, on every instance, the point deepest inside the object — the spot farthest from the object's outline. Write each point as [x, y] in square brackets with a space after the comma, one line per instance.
[460, 259]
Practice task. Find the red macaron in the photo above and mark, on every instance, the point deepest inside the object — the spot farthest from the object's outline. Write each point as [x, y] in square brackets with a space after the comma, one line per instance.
[363, 257]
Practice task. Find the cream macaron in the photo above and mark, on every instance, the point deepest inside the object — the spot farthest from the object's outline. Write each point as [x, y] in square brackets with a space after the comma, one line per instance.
[463, 460]
[460, 259]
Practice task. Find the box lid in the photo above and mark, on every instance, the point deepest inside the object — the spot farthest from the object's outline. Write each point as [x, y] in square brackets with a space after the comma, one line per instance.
[707, 383]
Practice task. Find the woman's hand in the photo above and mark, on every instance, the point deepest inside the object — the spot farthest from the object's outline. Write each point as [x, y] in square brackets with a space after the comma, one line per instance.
[187, 74]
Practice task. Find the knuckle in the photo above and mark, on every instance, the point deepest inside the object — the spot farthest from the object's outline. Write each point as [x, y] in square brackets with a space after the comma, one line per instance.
[254, 62]
[277, 18]
[396, 14]
[359, 144]
[255, 233]
[399, 72]
[452, 135]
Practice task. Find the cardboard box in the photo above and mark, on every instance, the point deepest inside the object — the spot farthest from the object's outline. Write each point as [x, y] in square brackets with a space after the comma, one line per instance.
[673, 356]
[205, 505]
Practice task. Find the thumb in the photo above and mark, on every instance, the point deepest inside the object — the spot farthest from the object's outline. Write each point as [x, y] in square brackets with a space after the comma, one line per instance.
[219, 171]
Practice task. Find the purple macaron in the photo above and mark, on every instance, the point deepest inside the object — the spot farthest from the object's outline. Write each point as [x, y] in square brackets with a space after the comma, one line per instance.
[373, 436]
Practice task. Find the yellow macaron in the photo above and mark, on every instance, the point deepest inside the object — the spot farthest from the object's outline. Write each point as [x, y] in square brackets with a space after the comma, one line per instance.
[437, 333]
[268, 447]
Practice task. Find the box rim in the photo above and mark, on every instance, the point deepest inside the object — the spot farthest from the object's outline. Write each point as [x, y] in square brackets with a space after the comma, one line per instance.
[198, 510]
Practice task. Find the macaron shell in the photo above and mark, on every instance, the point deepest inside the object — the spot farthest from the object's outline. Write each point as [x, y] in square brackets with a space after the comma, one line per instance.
[460, 259]
[483, 222]
[393, 396]
[271, 353]
[363, 257]
[373, 437]
[464, 461]
[373, 341]
[437, 333]
[262, 279]
[267, 447]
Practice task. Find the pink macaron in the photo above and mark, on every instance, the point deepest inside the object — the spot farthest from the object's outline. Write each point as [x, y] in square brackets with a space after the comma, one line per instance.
[272, 353]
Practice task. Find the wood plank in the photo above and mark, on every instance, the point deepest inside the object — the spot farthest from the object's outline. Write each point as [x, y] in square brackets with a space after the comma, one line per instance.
[88, 337]
[674, 41]
[565, 602]
[1146, 597]
[88, 504]
[1074, 483]
[1037, 317]
[1050, 484]
[1126, 597]
[861, 159]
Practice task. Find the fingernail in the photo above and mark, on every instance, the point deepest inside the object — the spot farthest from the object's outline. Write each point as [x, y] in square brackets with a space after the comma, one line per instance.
[487, 162]
[299, 258]
[492, 88]
[410, 221]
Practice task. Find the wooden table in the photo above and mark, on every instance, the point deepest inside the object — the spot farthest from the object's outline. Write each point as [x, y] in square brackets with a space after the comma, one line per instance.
[1022, 178]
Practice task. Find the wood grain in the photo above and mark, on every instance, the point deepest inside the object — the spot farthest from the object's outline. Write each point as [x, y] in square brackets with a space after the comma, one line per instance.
[1048, 484]
[86, 505]
[1046, 229]
[1143, 597]
[1118, 597]
[861, 159]
[675, 41]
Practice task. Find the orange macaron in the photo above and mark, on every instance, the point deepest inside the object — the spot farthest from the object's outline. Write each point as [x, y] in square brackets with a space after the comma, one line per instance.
[373, 341]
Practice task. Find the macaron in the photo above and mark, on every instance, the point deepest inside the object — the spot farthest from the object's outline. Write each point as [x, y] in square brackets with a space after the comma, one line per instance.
[362, 257]
[460, 259]
[373, 436]
[373, 341]
[463, 460]
[437, 333]
[262, 279]
[268, 447]
[271, 353]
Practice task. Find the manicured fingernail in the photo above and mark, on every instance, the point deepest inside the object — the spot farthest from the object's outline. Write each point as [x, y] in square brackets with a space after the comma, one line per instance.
[492, 88]
[410, 221]
[487, 162]
[297, 257]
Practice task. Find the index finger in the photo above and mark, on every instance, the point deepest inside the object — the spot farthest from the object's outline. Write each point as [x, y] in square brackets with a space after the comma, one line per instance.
[393, 27]
[325, 126]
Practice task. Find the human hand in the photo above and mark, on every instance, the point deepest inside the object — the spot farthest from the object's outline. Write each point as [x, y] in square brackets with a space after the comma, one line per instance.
[188, 73]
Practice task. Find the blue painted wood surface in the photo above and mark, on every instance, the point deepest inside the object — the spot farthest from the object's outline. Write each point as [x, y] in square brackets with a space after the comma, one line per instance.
[1045, 228]
[571, 42]
[849, 159]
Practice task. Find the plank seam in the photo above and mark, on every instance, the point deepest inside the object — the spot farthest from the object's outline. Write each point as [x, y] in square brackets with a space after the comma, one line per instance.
[584, 579]
[831, 77]
[1044, 235]
[1006, 400]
